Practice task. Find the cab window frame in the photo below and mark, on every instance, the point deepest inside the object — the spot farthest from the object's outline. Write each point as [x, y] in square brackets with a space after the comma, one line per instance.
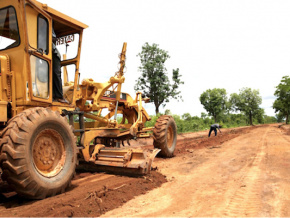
[35, 74]
[47, 33]
[19, 38]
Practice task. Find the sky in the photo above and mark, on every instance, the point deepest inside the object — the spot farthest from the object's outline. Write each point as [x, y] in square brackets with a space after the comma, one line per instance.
[227, 44]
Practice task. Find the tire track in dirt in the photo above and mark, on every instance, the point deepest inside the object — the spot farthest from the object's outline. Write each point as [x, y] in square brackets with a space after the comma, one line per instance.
[247, 199]
[276, 196]
[91, 178]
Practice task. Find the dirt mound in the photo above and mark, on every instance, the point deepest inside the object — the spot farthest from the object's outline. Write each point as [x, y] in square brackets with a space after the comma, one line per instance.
[89, 195]
[285, 128]
[189, 144]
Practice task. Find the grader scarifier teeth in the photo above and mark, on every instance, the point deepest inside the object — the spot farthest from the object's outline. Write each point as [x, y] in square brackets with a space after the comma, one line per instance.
[126, 159]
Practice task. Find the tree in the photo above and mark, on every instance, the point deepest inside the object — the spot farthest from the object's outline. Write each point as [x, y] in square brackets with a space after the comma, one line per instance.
[214, 101]
[270, 119]
[279, 117]
[186, 116]
[167, 112]
[203, 115]
[282, 103]
[247, 101]
[259, 116]
[154, 82]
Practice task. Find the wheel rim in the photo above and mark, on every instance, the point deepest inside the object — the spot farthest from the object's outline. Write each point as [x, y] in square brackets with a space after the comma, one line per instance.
[48, 153]
[170, 137]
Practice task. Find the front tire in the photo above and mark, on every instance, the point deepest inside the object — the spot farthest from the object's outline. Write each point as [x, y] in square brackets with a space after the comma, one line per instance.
[38, 153]
[165, 135]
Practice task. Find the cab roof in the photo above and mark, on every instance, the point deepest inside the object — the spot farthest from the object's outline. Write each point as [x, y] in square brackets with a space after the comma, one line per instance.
[60, 17]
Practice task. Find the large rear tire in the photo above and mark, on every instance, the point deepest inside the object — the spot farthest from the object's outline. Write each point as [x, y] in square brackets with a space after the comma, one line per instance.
[165, 135]
[38, 153]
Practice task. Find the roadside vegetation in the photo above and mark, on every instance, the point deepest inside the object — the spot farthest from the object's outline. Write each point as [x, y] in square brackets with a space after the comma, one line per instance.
[188, 123]
[282, 104]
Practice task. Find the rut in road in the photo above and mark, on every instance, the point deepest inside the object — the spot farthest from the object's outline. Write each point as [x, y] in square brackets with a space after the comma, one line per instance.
[247, 199]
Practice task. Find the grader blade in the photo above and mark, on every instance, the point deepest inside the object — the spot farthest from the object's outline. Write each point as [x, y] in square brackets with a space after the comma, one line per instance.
[130, 160]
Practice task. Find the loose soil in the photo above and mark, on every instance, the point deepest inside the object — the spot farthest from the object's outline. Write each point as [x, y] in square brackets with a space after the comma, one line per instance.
[241, 172]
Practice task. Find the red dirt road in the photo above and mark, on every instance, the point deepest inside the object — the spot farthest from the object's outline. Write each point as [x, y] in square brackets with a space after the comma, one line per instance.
[243, 172]
[246, 176]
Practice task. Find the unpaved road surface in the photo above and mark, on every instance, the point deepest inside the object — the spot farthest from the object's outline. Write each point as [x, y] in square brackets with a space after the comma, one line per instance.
[243, 172]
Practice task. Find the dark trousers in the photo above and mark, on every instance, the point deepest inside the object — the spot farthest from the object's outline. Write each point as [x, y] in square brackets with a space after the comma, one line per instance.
[212, 129]
[57, 82]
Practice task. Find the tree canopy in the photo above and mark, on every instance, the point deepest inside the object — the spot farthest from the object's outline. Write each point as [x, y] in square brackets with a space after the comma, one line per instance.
[247, 101]
[154, 82]
[282, 103]
[214, 101]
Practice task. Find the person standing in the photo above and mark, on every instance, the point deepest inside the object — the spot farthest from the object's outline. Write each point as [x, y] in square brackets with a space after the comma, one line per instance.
[56, 65]
[213, 128]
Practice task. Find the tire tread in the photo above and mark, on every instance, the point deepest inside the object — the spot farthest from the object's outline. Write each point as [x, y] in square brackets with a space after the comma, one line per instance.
[160, 135]
[12, 153]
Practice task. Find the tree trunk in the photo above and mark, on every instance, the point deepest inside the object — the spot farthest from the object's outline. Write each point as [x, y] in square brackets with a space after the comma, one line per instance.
[287, 120]
[251, 119]
[214, 116]
[157, 104]
[156, 109]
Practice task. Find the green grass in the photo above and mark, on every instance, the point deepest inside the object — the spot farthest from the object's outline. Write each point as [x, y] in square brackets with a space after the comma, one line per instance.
[187, 123]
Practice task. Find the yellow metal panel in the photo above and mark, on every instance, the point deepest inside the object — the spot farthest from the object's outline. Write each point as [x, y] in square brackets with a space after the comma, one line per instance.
[16, 55]
[31, 16]
[3, 111]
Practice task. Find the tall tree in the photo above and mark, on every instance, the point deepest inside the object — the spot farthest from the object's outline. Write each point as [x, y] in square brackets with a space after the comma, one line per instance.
[214, 101]
[282, 103]
[247, 101]
[154, 82]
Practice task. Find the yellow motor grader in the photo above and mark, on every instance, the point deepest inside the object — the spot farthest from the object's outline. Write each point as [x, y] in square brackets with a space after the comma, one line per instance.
[42, 140]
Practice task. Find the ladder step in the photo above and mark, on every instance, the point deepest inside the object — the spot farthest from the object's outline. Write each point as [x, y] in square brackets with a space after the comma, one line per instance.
[110, 159]
[110, 156]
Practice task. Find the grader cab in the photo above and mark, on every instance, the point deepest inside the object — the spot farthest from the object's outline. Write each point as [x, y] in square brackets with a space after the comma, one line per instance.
[42, 140]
